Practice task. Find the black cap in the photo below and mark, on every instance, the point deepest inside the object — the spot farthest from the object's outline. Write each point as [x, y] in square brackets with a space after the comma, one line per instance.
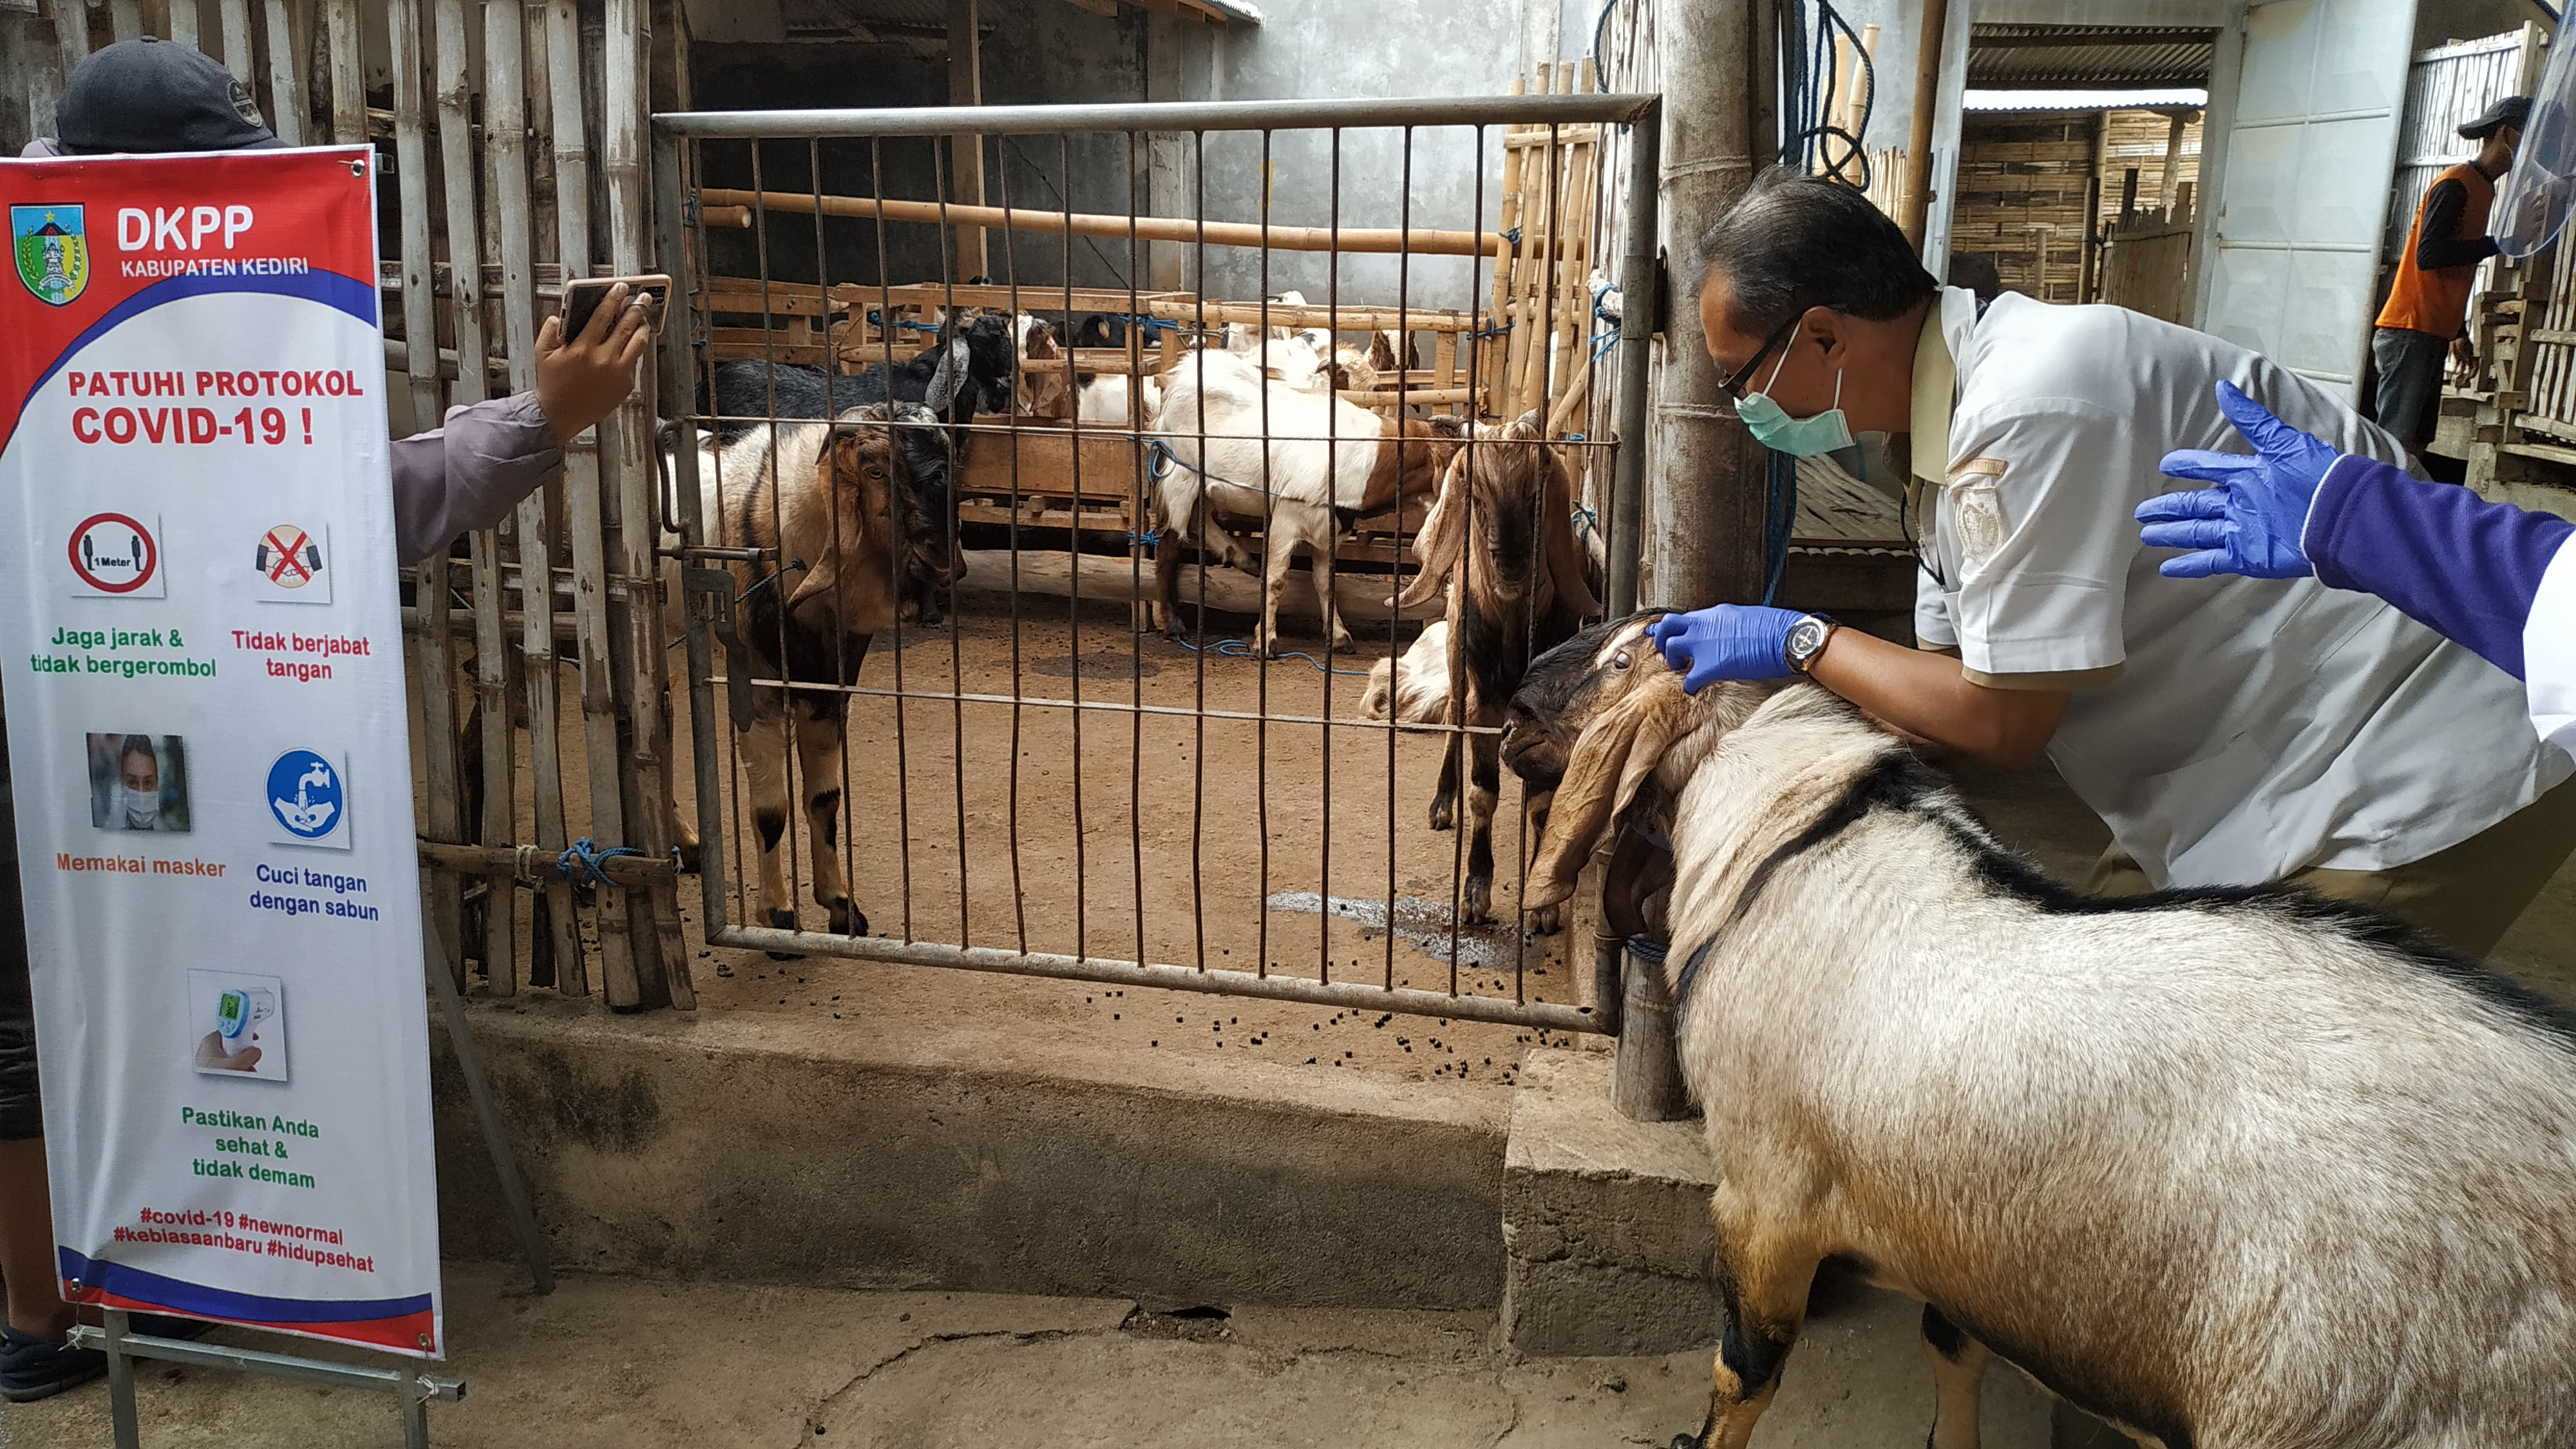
[146, 95]
[2511, 111]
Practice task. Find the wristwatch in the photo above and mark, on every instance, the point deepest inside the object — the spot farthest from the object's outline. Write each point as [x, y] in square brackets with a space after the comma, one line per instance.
[1807, 639]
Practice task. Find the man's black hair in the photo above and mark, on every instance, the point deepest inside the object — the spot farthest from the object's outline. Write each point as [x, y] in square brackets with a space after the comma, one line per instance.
[1792, 242]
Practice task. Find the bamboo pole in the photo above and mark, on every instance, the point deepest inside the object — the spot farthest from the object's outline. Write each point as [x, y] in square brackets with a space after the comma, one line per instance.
[71, 33]
[1934, 19]
[183, 23]
[717, 204]
[540, 546]
[347, 50]
[583, 513]
[125, 19]
[453, 99]
[661, 958]
[236, 22]
[285, 77]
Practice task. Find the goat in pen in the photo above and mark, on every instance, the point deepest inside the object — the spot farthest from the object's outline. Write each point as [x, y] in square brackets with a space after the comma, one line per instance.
[836, 507]
[1298, 462]
[2234, 1168]
[1500, 540]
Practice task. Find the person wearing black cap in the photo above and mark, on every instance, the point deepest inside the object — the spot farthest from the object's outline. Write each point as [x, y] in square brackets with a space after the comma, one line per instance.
[149, 97]
[2428, 304]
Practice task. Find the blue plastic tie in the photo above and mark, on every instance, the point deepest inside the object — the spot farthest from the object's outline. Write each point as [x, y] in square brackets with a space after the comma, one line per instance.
[1237, 649]
[580, 864]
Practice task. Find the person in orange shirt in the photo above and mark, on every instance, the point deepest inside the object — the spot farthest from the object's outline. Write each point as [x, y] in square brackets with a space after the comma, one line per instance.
[2428, 306]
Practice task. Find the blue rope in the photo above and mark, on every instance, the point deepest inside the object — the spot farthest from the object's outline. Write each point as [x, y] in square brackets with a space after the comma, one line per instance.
[1147, 539]
[1781, 516]
[580, 865]
[1496, 330]
[903, 324]
[1237, 649]
[1585, 519]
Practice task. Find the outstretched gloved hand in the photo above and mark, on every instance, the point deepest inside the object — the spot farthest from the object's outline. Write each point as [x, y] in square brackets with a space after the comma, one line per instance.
[2251, 522]
[1725, 641]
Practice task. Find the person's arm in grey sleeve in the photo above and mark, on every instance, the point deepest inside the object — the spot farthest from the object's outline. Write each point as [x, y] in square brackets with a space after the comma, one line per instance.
[469, 473]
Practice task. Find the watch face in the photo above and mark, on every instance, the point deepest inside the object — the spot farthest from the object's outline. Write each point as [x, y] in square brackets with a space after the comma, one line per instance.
[1805, 637]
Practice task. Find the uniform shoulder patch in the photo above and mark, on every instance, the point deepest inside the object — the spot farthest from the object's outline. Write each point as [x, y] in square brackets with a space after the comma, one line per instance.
[1976, 510]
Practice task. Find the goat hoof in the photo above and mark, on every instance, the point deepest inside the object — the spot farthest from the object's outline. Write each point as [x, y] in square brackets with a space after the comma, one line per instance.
[688, 857]
[1443, 814]
[1476, 903]
[847, 920]
[1544, 922]
[785, 921]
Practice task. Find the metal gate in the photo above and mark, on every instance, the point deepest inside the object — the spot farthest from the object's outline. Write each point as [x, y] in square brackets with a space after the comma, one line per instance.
[1042, 782]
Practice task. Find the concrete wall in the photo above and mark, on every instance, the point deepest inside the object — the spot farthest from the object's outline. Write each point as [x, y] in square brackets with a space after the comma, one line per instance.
[1045, 51]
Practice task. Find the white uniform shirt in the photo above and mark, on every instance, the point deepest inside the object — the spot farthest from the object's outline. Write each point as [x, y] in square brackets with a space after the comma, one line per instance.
[2229, 730]
[2549, 651]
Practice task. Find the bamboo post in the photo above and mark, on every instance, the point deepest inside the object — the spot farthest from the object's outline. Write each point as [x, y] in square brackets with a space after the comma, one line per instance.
[1507, 218]
[1934, 18]
[1859, 94]
[348, 67]
[125, 19]
[285, 77]
[71, 33]
[453, 98]
[583, 514]
[183, 23]
[661, 958]
[236, 22]
[555, 925]
[2173, 161]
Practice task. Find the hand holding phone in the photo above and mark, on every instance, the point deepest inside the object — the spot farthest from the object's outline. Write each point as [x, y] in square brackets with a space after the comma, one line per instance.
[586, 355]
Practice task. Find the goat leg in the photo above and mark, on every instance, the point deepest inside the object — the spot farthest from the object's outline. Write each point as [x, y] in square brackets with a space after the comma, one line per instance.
[1764, 1269]
[1958, 1378]
[1484, 784]
[764, 761]
[1546, 920]
[819, 740]
[1444, 801]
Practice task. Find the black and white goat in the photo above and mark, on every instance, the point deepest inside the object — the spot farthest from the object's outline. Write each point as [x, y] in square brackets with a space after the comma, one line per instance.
[2233, 1168]
[748, 389]
[1500, 539]
[835, 504]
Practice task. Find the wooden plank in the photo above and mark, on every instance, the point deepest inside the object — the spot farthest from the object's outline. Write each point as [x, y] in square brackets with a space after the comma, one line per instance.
[183, 23]
[235, 15]
[1114, 578]
[346, 59]
[1384, 240]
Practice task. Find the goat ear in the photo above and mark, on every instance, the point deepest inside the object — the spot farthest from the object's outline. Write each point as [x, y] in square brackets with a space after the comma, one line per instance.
[1564, 558]
[1443, 533]
[1611, 758]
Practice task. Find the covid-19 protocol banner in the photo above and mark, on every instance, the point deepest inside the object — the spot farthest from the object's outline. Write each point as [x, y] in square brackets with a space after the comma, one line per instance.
[201, 653]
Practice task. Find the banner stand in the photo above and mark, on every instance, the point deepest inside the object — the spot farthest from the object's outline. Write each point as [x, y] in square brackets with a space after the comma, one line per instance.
[413, 1388]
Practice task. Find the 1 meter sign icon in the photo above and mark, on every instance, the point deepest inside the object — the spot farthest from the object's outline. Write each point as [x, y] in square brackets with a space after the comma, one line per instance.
[115, 555]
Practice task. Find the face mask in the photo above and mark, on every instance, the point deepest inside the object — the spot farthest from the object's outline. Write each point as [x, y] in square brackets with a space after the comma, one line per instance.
[142, 808]
[1773, 428]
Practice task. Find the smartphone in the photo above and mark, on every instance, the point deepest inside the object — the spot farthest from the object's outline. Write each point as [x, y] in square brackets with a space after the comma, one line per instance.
[582, 296]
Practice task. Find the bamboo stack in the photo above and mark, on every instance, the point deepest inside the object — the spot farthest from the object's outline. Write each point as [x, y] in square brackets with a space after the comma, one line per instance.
[1550, 194]
[491, 184]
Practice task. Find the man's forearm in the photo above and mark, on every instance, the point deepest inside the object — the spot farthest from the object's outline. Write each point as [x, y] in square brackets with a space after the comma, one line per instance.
[1926, 695]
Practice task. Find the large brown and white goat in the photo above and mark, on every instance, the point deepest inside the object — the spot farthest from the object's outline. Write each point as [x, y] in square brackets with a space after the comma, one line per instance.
[2233, 1168]
[1296, 462]
[1500, 540]
[836, 505]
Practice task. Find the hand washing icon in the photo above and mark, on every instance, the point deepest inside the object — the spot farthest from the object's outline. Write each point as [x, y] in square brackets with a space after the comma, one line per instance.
[304, 794]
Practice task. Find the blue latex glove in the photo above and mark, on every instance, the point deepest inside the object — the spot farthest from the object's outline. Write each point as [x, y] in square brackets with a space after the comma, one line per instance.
[1725, 641]
[2251, 522]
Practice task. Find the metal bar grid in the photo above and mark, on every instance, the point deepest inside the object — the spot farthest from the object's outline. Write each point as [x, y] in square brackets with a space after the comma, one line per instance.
[746, 708]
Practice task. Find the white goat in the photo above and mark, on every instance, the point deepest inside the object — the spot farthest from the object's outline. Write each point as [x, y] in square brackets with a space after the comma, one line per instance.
[1290, 460]
[1415, 688]
[1101, 401]
[2235, 1169]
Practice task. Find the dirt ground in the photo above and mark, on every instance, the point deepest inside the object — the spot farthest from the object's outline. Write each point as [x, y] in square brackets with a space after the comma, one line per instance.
[627, 1364]
[1236, 819]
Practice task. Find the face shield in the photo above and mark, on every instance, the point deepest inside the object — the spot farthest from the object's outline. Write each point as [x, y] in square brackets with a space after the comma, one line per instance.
[2533, 202]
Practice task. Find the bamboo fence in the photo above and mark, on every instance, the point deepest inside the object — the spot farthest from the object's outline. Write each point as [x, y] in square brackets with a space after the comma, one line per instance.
[495, 197]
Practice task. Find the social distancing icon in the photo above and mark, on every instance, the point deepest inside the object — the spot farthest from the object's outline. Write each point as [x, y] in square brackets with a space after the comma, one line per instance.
[117, 556]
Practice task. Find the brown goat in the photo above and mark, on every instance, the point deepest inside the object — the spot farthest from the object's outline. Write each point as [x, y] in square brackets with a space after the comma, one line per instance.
[1501, 539]
[836, 505]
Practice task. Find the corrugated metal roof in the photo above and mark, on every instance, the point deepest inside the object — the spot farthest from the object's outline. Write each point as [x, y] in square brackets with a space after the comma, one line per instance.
[2176, 98]
[2105, 57]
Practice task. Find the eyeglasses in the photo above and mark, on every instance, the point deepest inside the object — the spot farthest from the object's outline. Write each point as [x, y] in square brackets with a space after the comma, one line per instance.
[1734, 381]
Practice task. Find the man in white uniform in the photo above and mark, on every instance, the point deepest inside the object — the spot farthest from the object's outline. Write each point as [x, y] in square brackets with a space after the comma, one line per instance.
[2242, 731]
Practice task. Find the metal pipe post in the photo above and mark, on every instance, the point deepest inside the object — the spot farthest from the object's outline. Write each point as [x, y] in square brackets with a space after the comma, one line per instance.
[1638, 302]
[1645, 1076]
[1706, 518]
